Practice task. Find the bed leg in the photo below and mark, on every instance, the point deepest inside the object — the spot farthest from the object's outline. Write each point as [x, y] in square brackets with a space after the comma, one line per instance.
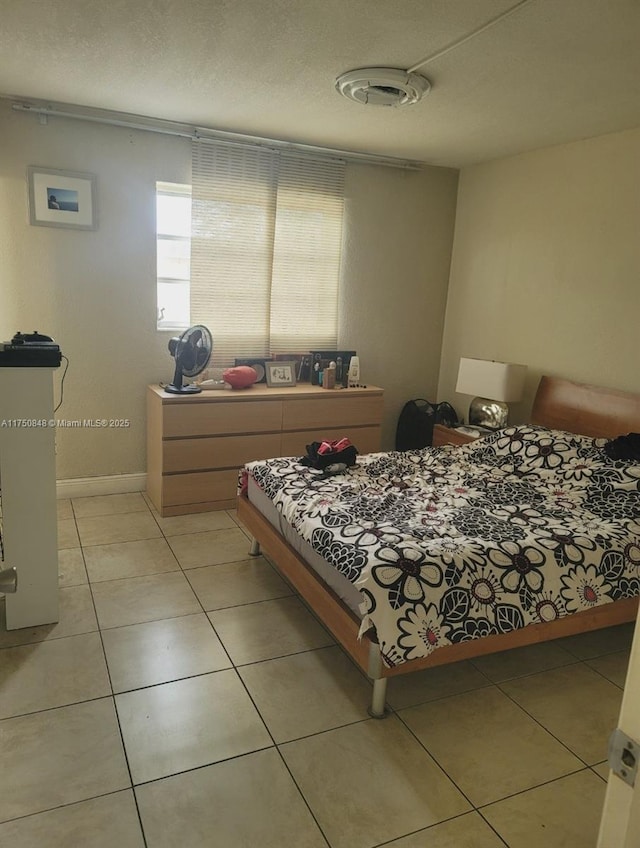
[255, 548]
[377, 708]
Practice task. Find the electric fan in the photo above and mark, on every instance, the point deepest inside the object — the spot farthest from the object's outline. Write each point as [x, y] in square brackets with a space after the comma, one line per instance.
[192, 351]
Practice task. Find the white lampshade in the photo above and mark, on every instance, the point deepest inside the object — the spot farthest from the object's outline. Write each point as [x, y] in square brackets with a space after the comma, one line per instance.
[501, 381]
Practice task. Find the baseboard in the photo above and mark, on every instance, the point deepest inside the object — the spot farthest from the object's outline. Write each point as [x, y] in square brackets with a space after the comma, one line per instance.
[115, 484]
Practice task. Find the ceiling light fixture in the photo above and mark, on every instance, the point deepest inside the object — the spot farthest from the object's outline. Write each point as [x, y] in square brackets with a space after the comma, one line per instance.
[383, 86]
[396, 87]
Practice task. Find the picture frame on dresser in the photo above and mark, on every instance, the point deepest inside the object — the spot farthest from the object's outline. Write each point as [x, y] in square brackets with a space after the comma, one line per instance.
[302, 362]
[280, 374]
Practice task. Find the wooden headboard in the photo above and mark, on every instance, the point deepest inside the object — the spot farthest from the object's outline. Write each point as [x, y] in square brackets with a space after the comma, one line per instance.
[588, 410]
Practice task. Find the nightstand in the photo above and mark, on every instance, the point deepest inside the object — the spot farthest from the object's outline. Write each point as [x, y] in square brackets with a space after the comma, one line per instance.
[450, 436]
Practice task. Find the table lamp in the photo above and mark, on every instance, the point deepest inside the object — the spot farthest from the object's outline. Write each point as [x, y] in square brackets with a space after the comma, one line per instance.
[495, 384]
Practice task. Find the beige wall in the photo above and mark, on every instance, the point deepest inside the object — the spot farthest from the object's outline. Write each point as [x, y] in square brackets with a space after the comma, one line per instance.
[399, 228]
[95, 291]
[92, 291]
[546, 266]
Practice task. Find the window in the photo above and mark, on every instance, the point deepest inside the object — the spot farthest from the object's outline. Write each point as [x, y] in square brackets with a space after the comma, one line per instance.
[173, 228]
[265, 242]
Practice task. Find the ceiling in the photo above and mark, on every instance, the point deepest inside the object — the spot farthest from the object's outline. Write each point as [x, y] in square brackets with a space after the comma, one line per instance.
[553, 71]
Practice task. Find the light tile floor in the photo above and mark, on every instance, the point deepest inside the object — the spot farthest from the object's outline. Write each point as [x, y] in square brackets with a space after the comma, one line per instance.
[187, 697]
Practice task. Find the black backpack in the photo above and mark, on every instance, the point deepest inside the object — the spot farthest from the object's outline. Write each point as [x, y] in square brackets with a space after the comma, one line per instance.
[415, 424]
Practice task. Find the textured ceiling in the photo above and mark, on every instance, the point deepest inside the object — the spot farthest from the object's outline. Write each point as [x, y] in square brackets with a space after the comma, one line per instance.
[551, 72]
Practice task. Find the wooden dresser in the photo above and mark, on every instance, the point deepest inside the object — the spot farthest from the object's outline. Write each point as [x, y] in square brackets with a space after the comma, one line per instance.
[197, 443]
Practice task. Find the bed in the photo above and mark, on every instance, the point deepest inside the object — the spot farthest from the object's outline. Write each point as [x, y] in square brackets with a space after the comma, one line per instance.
[429, 557]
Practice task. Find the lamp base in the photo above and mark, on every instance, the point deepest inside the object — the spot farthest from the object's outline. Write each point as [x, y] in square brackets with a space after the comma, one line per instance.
[488, 413]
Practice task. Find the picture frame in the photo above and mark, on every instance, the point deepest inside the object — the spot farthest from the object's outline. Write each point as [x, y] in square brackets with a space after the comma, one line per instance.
[280, 374]
[302, 362]
[61, 198]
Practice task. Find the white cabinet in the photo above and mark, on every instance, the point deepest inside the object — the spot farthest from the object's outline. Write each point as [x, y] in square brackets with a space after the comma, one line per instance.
[28, 487]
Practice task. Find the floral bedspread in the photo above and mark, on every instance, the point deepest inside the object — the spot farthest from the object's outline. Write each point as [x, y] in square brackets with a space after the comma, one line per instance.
[454, 543]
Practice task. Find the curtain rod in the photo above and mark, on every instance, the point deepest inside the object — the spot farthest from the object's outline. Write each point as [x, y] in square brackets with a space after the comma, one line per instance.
[204, 134]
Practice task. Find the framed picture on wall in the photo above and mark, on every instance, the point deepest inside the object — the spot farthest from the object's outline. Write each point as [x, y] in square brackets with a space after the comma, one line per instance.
[61, 198]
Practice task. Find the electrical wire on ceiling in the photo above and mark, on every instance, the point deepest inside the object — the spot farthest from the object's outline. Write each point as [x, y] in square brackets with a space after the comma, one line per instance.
[460, 41]
[379, 86]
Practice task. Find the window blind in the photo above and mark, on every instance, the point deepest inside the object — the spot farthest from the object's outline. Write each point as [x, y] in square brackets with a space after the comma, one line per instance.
[266, 239]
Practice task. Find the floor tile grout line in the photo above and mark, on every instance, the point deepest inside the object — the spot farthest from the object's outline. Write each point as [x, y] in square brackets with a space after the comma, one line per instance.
[425, 830]
[284, 656]
[527, 674]
[605, 652]
[277, 656]
[284, 762]
[597, 671]
[134, 576]
[211, 624]
[303, 796]
[585, 767]
[117, 715]
[488, 823]
[557, 668]
[140, 576]
[246, 558]
[179, 679]
[57, 707]
[326, 730]
[202, 766]
[440, 697]
[436, 761]
[593, 769]
[546, 729]
[69, 804]
[531, 788]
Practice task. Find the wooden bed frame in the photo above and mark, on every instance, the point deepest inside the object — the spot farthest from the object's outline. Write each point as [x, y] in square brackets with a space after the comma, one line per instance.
[559, 404]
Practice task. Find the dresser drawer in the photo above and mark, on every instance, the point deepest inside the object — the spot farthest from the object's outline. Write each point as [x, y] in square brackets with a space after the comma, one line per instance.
[366, 439]
[196, 444]
[199, 486]
[214, 418]
[332, 411]
[218, 452]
